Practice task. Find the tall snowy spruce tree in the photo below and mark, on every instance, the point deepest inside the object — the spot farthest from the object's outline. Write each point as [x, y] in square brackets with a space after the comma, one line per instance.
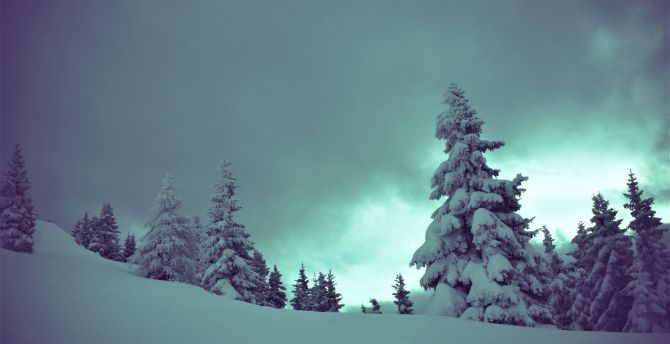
[168, 249]
[601, 303]
[225, 260]
[105, 234]
[300, 300]
[650, 270]
[276, 296]
[17, 218]
[401, 296]
[477, 254]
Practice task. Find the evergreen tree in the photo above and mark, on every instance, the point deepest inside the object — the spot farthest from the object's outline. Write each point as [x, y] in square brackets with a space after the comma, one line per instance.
[402, 296]
[168, 250]
[276, 291]
[477, 253]
[300, 300]
[318, 295]
[554, 261]
[601, 303]
[548, 241]
[129, 247]
[198, 229]
[82, 231]
[333, 298]
[259, 265]
[105, 235]
[226, 259]
[17, 218]
[649, 273]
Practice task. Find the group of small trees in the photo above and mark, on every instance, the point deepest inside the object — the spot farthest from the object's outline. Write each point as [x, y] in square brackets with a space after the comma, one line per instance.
[17, 217]
[482, 266]
[100, 234]
[617, 282]
[219, 257]
[401, 296]
[321, 297]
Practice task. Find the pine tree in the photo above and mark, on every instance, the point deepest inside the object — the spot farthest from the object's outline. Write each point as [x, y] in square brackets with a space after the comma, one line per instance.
[76, 230]
[105, 235]
[259, 265]
[226, 259]
[168, 250]
[548, 241]
[650, 281]
[333, 298]
[402, 296]
[318, 295]
[276, 291]
[477, 253]
[17, 218]
[129, 247]
[300, 300]
[198, 230]
[601, 303]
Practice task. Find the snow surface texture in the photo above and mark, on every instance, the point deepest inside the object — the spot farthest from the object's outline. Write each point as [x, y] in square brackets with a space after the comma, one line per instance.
[65, 294]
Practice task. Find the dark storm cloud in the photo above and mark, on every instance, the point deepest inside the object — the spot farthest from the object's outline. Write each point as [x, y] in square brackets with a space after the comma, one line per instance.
[321, 106]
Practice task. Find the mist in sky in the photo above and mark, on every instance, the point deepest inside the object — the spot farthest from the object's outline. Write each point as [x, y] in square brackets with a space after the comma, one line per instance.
[327, 111]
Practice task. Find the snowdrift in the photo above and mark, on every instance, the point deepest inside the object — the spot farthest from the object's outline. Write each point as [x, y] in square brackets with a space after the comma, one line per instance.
[65, 294]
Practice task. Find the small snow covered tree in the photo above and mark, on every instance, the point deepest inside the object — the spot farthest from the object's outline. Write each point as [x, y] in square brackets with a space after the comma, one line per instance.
[300, 300]
[318, 298]
[333, 298]
[650, 271]
[477, 253]
[548, 241]
[601, 302]
[402, 296]
[17, 218]
[129, 247]
[168, 250]
[259, 265]
[105, 234]
[226, 259]
[82, 231]
[276, 296]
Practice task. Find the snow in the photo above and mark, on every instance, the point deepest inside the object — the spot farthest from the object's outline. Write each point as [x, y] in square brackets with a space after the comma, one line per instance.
[498, 267]
[65, 294]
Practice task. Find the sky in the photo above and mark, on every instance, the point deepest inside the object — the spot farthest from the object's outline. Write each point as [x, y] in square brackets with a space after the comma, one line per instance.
[327, 112]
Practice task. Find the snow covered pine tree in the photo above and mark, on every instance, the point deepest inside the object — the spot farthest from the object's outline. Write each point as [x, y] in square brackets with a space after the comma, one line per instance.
[402, 296]
[601, 303]
[259, 265]
[300, 300]
[226, 261]
[105, 235]
[129, 247]
[276, 291]
[168, 250]
[477, 254]
[650, 271]
[17, 219]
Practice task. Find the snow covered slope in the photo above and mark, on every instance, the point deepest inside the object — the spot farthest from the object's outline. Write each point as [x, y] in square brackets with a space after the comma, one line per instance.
[65, 294]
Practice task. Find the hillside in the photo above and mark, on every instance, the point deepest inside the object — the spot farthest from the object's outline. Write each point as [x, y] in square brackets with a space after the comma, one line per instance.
[65, 294]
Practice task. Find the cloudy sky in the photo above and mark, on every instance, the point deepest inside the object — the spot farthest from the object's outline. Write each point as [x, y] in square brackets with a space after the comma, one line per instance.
[327, 110]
